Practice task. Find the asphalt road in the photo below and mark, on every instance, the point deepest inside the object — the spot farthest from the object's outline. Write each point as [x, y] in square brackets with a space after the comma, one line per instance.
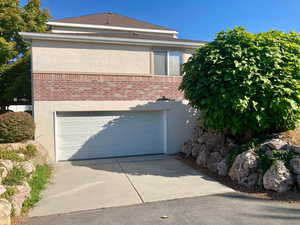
[223, 209]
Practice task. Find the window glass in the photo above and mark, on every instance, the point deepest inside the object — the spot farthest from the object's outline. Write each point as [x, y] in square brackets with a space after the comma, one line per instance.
[160, 62]
[175, 59]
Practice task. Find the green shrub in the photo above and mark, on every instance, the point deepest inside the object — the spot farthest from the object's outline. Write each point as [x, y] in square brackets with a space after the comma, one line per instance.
[15, 177]
[16, 126]
[11, 155]
[38, 182]
[246, 82]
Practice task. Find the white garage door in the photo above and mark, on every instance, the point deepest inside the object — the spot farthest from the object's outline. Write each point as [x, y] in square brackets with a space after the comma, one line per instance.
[87, 135]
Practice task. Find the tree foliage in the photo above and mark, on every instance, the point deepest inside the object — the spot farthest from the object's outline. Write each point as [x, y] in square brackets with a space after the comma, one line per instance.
[244, 82]
[14, 55]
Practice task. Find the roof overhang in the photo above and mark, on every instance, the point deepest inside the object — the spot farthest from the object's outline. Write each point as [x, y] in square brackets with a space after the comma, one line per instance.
[110, 40]
[104, 27]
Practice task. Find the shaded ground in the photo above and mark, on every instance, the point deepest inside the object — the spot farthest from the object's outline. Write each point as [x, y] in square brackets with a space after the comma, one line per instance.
[225, 209]
[291, 196]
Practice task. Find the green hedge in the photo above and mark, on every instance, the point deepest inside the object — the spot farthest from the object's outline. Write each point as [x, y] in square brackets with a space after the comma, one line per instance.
[16, 126]
[246, 83]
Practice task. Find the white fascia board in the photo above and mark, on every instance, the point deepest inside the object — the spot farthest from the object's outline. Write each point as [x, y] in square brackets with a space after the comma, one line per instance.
[110, 40]
[104, 27]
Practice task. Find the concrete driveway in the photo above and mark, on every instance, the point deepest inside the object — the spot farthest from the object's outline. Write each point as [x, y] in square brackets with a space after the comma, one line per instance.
[94, 184]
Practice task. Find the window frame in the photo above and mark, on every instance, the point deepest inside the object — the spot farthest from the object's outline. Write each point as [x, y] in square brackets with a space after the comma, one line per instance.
[167, 62]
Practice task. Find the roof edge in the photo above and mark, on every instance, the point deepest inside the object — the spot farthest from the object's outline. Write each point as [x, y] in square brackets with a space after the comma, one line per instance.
[110, 40]
[61, 24]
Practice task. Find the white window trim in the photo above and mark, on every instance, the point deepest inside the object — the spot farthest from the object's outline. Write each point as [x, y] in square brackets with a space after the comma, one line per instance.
[168, 62]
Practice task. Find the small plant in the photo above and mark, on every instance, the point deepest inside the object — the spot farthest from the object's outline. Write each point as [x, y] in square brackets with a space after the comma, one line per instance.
[10, 191]
[30, 151]
[16, 126]
[38, 182]
[15, 177]
[265, 161]
[10, 155]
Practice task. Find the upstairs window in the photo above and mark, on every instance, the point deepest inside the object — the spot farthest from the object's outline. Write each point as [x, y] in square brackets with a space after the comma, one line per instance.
[167, 63]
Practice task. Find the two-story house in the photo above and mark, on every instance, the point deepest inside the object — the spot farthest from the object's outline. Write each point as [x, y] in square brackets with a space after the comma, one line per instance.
[106, 85]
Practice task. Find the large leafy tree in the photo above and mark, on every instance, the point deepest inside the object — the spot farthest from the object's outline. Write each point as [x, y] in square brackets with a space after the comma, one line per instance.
[14, 51]
[246, 83]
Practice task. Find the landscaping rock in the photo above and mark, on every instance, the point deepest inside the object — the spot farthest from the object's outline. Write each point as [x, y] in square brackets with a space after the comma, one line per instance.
[222, 167]
[21, 155]
[7, 164]
[202, 159]
[5, 211]
[295, 165]
[195, 150]
[23, 192]
[2, 189]
[3, 173]
[295, 149]
[275, 143]
[212, 162]
[243, 168]
[278, 178]
[27, 166]
[187, 148]
[298, 181]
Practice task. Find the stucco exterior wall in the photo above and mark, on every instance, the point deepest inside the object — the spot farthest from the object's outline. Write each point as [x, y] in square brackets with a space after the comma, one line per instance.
[180, 118]
[61, 56]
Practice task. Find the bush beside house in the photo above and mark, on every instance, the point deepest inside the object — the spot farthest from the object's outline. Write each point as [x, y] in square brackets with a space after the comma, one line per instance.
[23, 169]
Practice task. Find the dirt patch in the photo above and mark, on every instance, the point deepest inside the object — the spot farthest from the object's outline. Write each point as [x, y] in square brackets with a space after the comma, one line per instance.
[258, 192]
[18, 220]
[291, 136]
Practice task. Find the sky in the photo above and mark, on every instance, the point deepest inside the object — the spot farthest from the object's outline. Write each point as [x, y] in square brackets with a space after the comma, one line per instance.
[193, 19]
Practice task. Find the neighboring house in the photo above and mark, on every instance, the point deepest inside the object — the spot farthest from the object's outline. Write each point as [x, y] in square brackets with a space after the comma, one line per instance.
[106, 85]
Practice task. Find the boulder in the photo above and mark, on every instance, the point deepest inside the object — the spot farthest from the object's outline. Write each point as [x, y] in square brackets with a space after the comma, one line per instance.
[202, 159]
[7, 164]
[275, 143]
[295, 149]
[187, 148]
[278, 178]
[298, 180]
[21, 155]
[5, 211]
[3, 173]
[195, 150]
[27, 166]
[2, 189]
[295, 165]
[222, 167]
[212, 162]
[17, 200]
[243, 168]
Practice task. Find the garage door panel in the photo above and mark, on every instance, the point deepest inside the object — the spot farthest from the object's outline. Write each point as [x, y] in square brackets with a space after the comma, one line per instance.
[84, 135]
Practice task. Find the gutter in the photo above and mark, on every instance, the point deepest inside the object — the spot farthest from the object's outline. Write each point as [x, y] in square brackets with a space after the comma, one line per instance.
[110, 40]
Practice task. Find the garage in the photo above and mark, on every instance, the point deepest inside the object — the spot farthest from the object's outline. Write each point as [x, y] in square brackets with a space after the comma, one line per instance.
[88, 135]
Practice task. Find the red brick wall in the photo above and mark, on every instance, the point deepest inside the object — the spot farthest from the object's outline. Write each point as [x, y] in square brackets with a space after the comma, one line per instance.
[82, 87]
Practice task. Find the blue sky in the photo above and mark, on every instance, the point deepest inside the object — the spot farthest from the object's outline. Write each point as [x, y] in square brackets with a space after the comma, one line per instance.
[194, 19]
